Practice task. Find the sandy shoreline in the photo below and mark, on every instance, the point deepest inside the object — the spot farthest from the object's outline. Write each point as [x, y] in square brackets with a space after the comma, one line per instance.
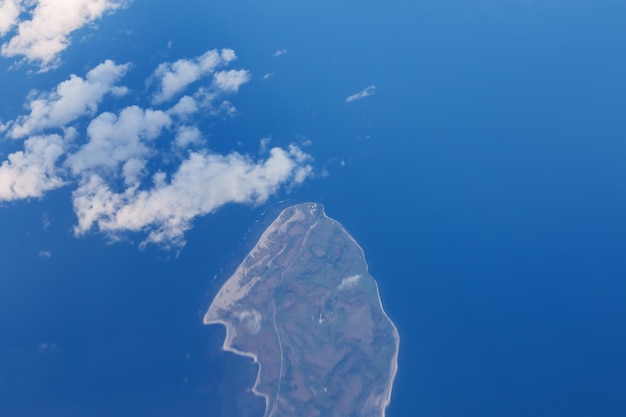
[233, 291]
[227, 347]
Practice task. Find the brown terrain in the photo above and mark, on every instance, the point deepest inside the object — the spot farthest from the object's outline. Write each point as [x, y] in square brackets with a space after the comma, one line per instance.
[303, 305]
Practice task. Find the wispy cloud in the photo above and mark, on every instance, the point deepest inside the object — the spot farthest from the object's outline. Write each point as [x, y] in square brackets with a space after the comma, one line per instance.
[46, 221]
[48, 347]
[280, 52]
[136, 169]
[45, 255]
[45, 30]
[264, 144]
[366, 92]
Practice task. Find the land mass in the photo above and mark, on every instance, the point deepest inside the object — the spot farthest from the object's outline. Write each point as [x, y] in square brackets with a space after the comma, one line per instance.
[303, 305]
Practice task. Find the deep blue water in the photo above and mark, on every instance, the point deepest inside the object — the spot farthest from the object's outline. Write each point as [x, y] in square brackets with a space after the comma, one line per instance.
[484, 180]
[123, 328]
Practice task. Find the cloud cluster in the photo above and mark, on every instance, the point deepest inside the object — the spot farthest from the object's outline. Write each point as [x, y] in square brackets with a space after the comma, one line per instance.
[144, 170]
[70, 100]
[366, 92]
[174, 77]
[45, 33]
[118, 139]
[201, 184]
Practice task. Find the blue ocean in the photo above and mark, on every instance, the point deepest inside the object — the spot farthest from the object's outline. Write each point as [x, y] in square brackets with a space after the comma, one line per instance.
[484, 180]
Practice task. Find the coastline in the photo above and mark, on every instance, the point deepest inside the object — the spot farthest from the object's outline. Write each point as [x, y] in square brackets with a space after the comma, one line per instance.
[394, 361]
[227, 347]
[233, 290]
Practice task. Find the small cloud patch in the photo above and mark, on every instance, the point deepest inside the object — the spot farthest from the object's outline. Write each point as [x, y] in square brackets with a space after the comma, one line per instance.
[350, 281]
[366, 92]
[279, 52]
[47, 348]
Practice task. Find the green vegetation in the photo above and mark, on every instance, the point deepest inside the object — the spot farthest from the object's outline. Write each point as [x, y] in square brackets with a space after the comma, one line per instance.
[325, 345]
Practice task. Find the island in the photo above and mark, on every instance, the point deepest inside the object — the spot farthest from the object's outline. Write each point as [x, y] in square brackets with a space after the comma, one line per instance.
[304, 307]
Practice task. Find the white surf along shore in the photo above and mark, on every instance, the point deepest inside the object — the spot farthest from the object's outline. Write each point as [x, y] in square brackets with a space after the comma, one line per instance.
[236, 289]
[233, 291]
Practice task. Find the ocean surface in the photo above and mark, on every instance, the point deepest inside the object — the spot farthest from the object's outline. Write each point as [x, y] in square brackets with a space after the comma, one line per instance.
[484, 180]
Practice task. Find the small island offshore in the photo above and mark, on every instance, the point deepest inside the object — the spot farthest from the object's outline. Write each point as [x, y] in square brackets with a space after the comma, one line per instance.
[303, 305]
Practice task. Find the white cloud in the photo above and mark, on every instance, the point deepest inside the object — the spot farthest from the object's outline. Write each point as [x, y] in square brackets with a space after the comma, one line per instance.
[188, 135]
[268, 75]
[264, 144]
[174, 77]
[30, 173]
[114, 140]
[227, 108]
[228, 55]
[47, 33]
[280, 52]
[71, 99]
[133, 171]
[230, 81]
[9, 14]
[185, 107]
[125, 179]
[48, 347]
[350, 281]
[203, 183]
[366, 92]
[45, 255]
[46, 221]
